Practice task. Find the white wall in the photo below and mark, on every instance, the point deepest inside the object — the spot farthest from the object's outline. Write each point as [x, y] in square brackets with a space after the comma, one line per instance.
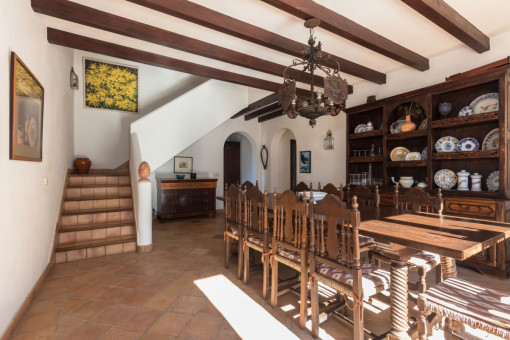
[103, 135]
[284, 166]
[29, 208]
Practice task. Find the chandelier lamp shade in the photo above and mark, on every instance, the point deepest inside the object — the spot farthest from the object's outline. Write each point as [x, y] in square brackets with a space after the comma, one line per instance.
[329, 100]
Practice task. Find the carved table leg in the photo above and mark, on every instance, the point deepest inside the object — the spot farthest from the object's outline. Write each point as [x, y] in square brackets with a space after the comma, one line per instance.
[398, 308]
[449, 269]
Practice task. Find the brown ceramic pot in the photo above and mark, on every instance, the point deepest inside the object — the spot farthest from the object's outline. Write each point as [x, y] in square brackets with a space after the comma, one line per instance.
[82, 165]
[408, 125]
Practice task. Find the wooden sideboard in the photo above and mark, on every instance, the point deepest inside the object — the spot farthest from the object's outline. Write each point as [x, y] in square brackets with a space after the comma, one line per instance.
[186, 197]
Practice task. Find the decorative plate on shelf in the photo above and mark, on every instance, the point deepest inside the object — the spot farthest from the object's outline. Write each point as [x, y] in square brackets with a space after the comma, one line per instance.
[491, 141]
[493, 181]
[413, 156]
[488, 102]
[445, 178]
[423, 125]
[468, 144]
[360, 128]
[446, 144]
[399, 154]
[395, 127]
[466, 111]
[424, 153]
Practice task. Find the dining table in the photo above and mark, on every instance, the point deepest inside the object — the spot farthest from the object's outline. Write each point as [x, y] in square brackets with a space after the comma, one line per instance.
[451, 237]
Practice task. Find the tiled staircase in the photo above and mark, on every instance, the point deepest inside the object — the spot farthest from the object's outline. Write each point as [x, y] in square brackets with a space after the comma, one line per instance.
[97, 217]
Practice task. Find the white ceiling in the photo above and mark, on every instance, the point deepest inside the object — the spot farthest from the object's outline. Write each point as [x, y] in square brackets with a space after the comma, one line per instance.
[392, 19]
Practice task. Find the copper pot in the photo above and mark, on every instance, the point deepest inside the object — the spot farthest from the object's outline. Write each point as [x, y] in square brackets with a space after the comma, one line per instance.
[82, 165]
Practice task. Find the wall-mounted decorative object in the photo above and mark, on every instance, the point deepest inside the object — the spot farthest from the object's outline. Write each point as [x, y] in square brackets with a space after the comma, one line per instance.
[73, 80]
[183, 165]
[26, 113]
[329, 141]
[305, 162]
[263, 156]
[110, 86]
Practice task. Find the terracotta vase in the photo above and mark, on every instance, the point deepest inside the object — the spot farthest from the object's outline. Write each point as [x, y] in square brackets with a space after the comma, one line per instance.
[408, 125]
[82, 165]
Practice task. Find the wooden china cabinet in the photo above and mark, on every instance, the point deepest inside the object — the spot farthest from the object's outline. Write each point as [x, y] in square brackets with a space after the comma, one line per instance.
[373, 149]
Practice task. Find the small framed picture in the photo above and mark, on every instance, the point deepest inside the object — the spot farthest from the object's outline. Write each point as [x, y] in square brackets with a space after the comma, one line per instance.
[183, 165]
[305, 162]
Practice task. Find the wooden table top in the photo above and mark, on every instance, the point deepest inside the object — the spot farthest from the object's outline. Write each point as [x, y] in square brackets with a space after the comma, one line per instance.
[451, 236]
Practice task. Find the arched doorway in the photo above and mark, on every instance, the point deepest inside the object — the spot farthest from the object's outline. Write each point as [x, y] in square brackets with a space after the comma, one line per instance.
[283, 161]
[239, 163]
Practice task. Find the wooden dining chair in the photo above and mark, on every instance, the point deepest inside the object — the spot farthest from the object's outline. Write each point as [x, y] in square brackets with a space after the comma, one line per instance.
[422, 262]
[369, 198]
[233, 225]
[467, 303]
[256, 232]
[301, 186]
[333, 190]
[290, 244]
[248, 184]
[339, 266]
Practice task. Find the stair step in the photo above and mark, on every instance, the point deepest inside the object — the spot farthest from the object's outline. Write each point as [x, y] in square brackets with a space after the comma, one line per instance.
[92, 226]
[94, 191]
[95, 211]
[92, 198]
[84, 205]
[97, 185]
[98, 248]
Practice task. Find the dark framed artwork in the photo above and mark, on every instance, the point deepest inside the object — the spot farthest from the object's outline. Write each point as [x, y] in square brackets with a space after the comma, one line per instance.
[183, 165]
[305, 162]
[110, 86]
[26, 113]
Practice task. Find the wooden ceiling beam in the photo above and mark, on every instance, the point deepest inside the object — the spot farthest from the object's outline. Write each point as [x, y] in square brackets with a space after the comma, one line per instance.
[348, 29]
[71, 11]
[262, 111]
[83, 43]
[271, 115]
[204, 16]
[270, 99]
[444, 16]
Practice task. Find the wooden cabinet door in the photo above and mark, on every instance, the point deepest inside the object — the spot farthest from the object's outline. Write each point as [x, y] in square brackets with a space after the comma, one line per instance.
[232, 163]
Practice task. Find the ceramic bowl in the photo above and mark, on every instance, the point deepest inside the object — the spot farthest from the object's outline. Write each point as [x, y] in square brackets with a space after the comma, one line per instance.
[180, 176]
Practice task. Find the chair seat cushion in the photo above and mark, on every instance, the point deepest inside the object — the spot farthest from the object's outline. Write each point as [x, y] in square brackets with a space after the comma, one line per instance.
[290, 254]
[457, 297]
[374, 279]
[234, 230]
[418, 259]
[365, 240]
[258, 241]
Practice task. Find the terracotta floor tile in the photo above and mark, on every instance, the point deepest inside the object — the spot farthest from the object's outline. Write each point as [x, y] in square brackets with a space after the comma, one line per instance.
[142, 319]
[209, 310]
[89, 276]
[89, 330]
[161, 301]
[67, 325]
[188, 304]
[72, 304]
[115, 314]
[89, 292]
[201, 328]
[111, 279]
[42, 334]
[153, 336]
[155, 284]
[118, 333]
[113, 294]
[46, 305]
[38, 321]
[169, 324]
[57, 282]
[136, 297]
[87, 310]
[132, 281]
[51, 293]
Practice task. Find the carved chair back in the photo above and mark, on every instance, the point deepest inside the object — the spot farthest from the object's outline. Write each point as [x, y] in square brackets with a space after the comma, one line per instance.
[233, 207]
[301, 186]
[365, 195]
[418, 200]
[247, 184]
[290, 221]
[255, 211]
[331, 189]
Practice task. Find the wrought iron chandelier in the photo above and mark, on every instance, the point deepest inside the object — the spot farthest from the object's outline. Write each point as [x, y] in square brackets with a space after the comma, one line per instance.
[329, 102]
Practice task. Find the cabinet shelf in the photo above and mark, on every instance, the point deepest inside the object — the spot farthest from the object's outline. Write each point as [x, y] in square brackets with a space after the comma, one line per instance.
[465, 121]
[407, 135]
[407, 164]
[366, 159]
[373, 133]
[466, 154]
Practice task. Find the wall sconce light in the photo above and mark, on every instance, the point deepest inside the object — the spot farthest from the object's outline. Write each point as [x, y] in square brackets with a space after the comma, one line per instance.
[73, 78]
[329, 141]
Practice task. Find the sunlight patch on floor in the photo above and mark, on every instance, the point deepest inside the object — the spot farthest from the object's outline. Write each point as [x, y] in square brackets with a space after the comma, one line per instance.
[241, 312]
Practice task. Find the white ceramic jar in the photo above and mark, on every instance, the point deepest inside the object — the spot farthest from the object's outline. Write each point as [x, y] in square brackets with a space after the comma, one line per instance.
[406, 181]
[463, 180]
[476, 182]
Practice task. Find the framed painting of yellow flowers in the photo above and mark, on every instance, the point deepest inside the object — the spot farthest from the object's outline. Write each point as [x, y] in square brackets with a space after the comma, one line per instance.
[26, 113]
[110, 86]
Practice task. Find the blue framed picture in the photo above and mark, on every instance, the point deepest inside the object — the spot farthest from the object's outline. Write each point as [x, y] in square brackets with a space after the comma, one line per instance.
[305, 162]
